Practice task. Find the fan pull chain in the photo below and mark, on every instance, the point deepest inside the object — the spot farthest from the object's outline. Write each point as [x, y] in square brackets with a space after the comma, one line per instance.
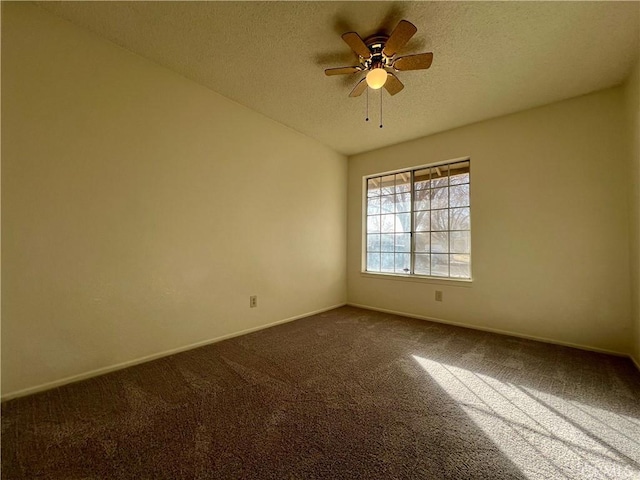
[380, 108]
[367, 119]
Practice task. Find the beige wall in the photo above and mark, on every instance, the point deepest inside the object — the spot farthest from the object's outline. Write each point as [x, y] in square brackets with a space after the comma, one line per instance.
[140, 210]
[632, 97]
[549, 198]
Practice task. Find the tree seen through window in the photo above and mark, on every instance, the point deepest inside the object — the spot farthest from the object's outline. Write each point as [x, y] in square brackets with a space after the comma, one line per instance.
[418, 222]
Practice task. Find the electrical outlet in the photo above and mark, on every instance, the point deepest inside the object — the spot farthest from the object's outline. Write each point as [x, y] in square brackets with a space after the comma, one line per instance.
[253, 301]
[438, 295]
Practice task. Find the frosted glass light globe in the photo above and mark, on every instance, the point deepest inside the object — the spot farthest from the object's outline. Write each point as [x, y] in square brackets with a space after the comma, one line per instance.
[376, 78]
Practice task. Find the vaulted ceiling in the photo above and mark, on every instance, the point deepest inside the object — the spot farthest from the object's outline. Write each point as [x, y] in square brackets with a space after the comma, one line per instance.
[490, 58]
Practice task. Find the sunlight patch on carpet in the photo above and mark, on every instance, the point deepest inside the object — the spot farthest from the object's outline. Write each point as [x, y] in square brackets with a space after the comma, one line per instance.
[546, 436]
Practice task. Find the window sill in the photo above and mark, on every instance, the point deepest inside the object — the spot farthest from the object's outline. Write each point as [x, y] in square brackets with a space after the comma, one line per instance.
[454, 282]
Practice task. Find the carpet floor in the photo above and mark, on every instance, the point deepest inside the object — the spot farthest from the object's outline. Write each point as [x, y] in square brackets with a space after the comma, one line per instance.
[346, 394]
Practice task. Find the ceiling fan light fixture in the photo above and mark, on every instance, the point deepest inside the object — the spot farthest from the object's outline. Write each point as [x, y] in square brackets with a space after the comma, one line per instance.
[376, 78]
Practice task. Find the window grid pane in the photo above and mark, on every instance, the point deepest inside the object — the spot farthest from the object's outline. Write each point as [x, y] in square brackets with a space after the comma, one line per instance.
[418, 222]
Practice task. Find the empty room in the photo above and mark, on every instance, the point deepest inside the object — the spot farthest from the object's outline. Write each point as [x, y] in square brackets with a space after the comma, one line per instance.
[320, 240]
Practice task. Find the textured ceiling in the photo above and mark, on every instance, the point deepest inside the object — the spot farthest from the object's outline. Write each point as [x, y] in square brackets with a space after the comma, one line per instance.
[490, 58]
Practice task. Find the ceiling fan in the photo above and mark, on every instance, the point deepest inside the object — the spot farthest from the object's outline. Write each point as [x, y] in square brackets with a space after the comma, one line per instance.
[377, 55]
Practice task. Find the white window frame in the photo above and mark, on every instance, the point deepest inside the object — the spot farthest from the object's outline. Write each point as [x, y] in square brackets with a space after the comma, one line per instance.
[412, 276]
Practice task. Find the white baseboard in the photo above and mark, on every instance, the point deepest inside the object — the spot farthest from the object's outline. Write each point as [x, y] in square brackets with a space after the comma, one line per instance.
[496, 330]
[147, 358]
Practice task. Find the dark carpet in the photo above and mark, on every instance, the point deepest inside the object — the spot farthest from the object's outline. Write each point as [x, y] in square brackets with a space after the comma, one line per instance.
[347, 394]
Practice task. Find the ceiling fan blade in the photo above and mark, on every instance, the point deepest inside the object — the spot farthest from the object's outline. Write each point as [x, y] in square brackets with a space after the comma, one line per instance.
[393, 84]
[399, 37]
[360, 87]
[341, 70]
[357, 45]
[420, 61]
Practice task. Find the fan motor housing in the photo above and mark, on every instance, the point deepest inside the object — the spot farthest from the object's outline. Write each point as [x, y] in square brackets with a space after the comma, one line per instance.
[376, 44]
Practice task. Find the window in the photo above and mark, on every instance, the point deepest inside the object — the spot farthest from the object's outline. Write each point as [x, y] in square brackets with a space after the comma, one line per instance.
[419, 223]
